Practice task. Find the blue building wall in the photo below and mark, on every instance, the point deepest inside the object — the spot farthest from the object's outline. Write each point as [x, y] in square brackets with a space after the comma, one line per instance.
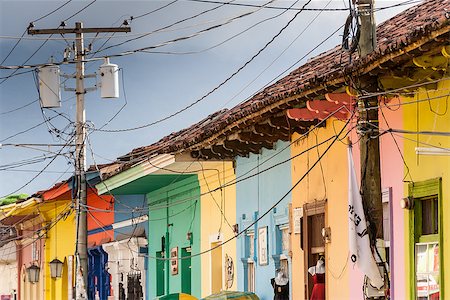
[124, 206]
[254, 197]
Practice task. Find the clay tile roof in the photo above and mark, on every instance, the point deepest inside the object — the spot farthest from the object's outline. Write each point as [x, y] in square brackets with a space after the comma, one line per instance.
[176, 140]
[393, 36]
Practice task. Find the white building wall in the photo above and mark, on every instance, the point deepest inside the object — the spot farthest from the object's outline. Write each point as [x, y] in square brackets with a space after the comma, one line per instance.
[123, 259]
[8, 269]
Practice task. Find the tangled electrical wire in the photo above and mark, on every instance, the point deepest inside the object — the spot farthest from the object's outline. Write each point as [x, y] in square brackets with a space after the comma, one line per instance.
[352, 31]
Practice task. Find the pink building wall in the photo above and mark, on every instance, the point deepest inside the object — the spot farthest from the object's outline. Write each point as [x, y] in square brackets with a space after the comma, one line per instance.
[24, 253]
[392, 173]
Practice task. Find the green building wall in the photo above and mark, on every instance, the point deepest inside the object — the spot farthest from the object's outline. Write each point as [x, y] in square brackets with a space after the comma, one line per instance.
[174, 211]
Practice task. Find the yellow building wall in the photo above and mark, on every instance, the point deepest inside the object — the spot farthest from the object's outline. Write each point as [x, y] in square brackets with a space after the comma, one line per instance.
[212, 222]
[335, 175]
[419, 116]
[59, 243]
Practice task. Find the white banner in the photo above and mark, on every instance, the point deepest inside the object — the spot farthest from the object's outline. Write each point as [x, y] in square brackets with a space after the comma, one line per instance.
[359, 243]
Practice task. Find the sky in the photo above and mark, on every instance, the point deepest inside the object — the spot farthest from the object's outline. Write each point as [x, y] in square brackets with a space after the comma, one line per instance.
[152, 85]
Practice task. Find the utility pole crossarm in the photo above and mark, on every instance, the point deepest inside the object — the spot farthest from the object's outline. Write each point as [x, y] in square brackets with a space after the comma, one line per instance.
[78, 30]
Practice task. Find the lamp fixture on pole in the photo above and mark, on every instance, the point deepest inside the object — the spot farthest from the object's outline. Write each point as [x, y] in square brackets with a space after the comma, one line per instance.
[33, 273]
[56, 268]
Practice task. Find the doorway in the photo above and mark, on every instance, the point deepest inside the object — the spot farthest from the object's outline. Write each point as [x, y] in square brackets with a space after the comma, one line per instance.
[313, 242]
[216, 267]
[186, 270]
[160, 273]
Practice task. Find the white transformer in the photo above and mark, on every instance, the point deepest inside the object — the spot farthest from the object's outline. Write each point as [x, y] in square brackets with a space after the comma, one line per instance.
[109, 80]
[49, 86]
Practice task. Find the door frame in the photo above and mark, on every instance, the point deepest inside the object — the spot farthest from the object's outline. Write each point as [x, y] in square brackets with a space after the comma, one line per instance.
[420, 190]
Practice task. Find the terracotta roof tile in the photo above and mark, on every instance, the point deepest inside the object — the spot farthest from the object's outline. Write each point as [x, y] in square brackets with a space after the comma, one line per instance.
[392, 35]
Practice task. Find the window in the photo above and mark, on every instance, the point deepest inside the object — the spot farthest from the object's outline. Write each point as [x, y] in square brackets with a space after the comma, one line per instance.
[34, 251]
[427, 248]
[285, 239]
[430, 214]
[427, 270]
[250, 245]
[250, 276]
[425, 254]
[284, 266]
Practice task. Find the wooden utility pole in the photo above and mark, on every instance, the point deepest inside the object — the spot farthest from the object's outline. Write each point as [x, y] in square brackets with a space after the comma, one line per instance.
[368, 126]
[80, 151]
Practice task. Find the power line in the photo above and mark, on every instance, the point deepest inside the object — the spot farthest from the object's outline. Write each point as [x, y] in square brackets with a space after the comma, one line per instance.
[45, 42]
[29, 129]
[125, 23]
[398, 149]
[268, 6]
[41, 231]
[34, 177]
[29, 161]
[36, 171]
[160, 29]
[222, 42]
[20, 107]
[53, 11]
[265, 213]
[408, 2]
[153, 11]
[23, 34]
[215, 88]
[79, 11]
[244, 177]
[144, 49]
[293, 41]
[422, 132]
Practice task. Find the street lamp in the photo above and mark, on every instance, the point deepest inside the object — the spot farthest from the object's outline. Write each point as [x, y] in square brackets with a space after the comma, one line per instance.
[56, 268]
[33, 273]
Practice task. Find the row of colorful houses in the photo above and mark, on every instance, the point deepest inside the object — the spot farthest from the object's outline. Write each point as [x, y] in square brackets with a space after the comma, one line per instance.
[225, 203]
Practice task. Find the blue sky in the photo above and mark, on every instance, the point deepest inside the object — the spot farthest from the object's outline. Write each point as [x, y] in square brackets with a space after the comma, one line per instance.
[156, 85]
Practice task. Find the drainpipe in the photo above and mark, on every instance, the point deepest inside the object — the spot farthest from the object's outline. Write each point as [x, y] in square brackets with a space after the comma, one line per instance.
[167, 250]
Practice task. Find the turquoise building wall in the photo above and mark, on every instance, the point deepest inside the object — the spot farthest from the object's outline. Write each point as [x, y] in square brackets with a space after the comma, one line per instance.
[175, 209]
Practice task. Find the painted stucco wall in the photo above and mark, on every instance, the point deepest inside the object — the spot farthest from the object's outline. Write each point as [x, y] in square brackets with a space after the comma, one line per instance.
[392, 174]
[101, 215]
[213, 224]
[181, 216]
[123, 258]
[254, 197]
[58, 247]
[8, 269]
[432, 115]
[29, 290]
[327, 180]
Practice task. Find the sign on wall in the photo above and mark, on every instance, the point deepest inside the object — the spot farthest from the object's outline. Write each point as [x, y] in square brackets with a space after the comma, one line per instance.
[174, 261]
[298, 214]
[229, 272]
[263, 255]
